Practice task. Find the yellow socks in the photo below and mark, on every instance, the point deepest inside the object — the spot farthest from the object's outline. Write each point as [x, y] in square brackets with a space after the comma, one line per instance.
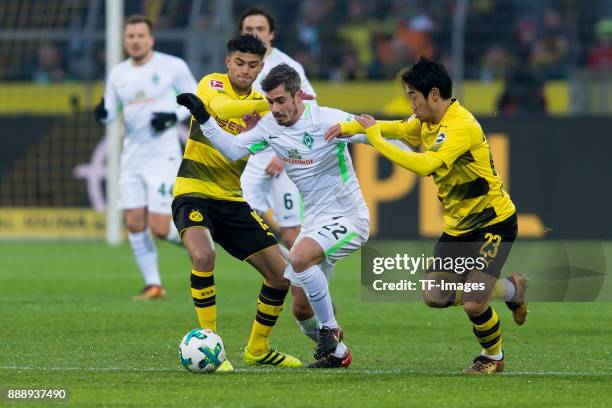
[203, 293]
[269, 306]
[487, 331]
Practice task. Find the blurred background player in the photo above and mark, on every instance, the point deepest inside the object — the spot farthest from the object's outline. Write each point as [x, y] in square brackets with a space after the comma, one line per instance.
[265, 183]
[143, 89]
[208, 205]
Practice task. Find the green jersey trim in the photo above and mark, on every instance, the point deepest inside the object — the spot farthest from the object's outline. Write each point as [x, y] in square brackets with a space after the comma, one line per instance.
[341, 243]
[342, 162]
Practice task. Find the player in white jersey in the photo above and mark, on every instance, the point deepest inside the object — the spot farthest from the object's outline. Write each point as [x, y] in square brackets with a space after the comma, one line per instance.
[264, 182]
[143, 88]
[336, 219]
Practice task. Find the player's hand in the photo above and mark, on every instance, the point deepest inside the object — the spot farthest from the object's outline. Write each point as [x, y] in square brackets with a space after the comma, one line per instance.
[163, 120]
[366, 120]
[275, 167]
[195, 106]
[334, 132]
[306, 96]
[250, 121]
[100, 113]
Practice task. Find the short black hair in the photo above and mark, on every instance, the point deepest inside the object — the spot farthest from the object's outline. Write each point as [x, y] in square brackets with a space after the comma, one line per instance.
[247, 43]
[139, 18]
[256, 11]
[427, 74]
[282, 74]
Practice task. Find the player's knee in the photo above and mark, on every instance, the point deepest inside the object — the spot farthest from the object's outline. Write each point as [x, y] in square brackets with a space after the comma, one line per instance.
[299, 261]
[435, 300]
[278, 282]
[474, 309]
[159, 232]
[203, 259]
[135, 225]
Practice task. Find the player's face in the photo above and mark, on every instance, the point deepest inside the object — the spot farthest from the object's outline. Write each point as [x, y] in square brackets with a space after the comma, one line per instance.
[283, 106]
[243, 69]
[421, 106]
[138, 41]
[259, 26]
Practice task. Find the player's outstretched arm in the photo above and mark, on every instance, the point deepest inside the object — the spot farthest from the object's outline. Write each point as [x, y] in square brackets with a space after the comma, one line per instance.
[421, 163]
[230, 146]
[194, 105]
[390, 129]
[227, 108]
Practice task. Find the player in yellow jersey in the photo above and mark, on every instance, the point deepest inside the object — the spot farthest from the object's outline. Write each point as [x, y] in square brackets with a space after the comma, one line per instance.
[208, 205]
[479, 216]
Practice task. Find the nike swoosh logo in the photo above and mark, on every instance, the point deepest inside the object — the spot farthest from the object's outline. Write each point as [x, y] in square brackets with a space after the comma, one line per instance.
[273, 137]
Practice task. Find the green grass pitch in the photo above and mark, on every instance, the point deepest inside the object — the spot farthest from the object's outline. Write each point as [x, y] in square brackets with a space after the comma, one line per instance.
[67, 321]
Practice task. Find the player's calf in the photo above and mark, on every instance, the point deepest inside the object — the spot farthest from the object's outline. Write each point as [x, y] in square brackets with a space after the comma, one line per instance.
[434, 295]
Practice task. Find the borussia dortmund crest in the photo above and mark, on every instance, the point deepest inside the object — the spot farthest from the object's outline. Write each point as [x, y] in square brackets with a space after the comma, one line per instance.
[196, 216]
[293, 154]
[308, 140]
[155, 78]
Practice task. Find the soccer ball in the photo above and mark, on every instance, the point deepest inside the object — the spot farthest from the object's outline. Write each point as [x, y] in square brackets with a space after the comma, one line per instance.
[201, 351]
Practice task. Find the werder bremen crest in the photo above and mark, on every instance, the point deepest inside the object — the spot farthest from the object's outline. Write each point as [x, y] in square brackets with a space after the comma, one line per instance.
[293, 154]
[308, 140]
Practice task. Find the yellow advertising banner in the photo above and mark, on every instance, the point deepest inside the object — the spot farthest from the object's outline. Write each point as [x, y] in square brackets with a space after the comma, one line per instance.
[69, 223]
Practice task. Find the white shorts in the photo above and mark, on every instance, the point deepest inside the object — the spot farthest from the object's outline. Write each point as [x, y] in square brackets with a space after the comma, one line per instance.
[263, 192]
[149, 187]
[339, 236]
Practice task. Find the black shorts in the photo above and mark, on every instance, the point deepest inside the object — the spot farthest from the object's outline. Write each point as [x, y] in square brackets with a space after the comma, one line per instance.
[232, 224]
[488, 247]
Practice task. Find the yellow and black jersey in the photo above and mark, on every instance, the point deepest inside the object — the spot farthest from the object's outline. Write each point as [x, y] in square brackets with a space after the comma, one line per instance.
[469, 188]
[204, 172]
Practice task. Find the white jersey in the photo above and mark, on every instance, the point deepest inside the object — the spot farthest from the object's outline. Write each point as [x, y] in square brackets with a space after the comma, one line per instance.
[137, 92]
[276, 57]
[322, 171]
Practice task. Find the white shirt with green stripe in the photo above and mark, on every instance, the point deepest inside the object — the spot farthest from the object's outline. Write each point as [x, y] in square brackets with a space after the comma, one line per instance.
[136, 91]
[322, 171]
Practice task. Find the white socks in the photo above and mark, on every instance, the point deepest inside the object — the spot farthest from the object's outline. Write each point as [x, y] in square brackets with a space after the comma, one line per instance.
[310, 327]
[146, 256]
[173, 234]
[341, 350]
[510, 290]
[284, 251]
[496, 357]
[317, 290]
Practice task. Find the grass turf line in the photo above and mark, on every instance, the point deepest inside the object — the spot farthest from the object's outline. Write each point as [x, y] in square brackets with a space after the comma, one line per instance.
[68, 322]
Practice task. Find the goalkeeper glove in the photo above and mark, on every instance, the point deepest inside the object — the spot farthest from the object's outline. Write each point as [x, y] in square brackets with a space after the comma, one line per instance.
[195, 106]
[100, 112]
[163, 120]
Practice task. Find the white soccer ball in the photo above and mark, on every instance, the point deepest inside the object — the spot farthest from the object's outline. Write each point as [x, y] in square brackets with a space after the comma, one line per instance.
[201, 351]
